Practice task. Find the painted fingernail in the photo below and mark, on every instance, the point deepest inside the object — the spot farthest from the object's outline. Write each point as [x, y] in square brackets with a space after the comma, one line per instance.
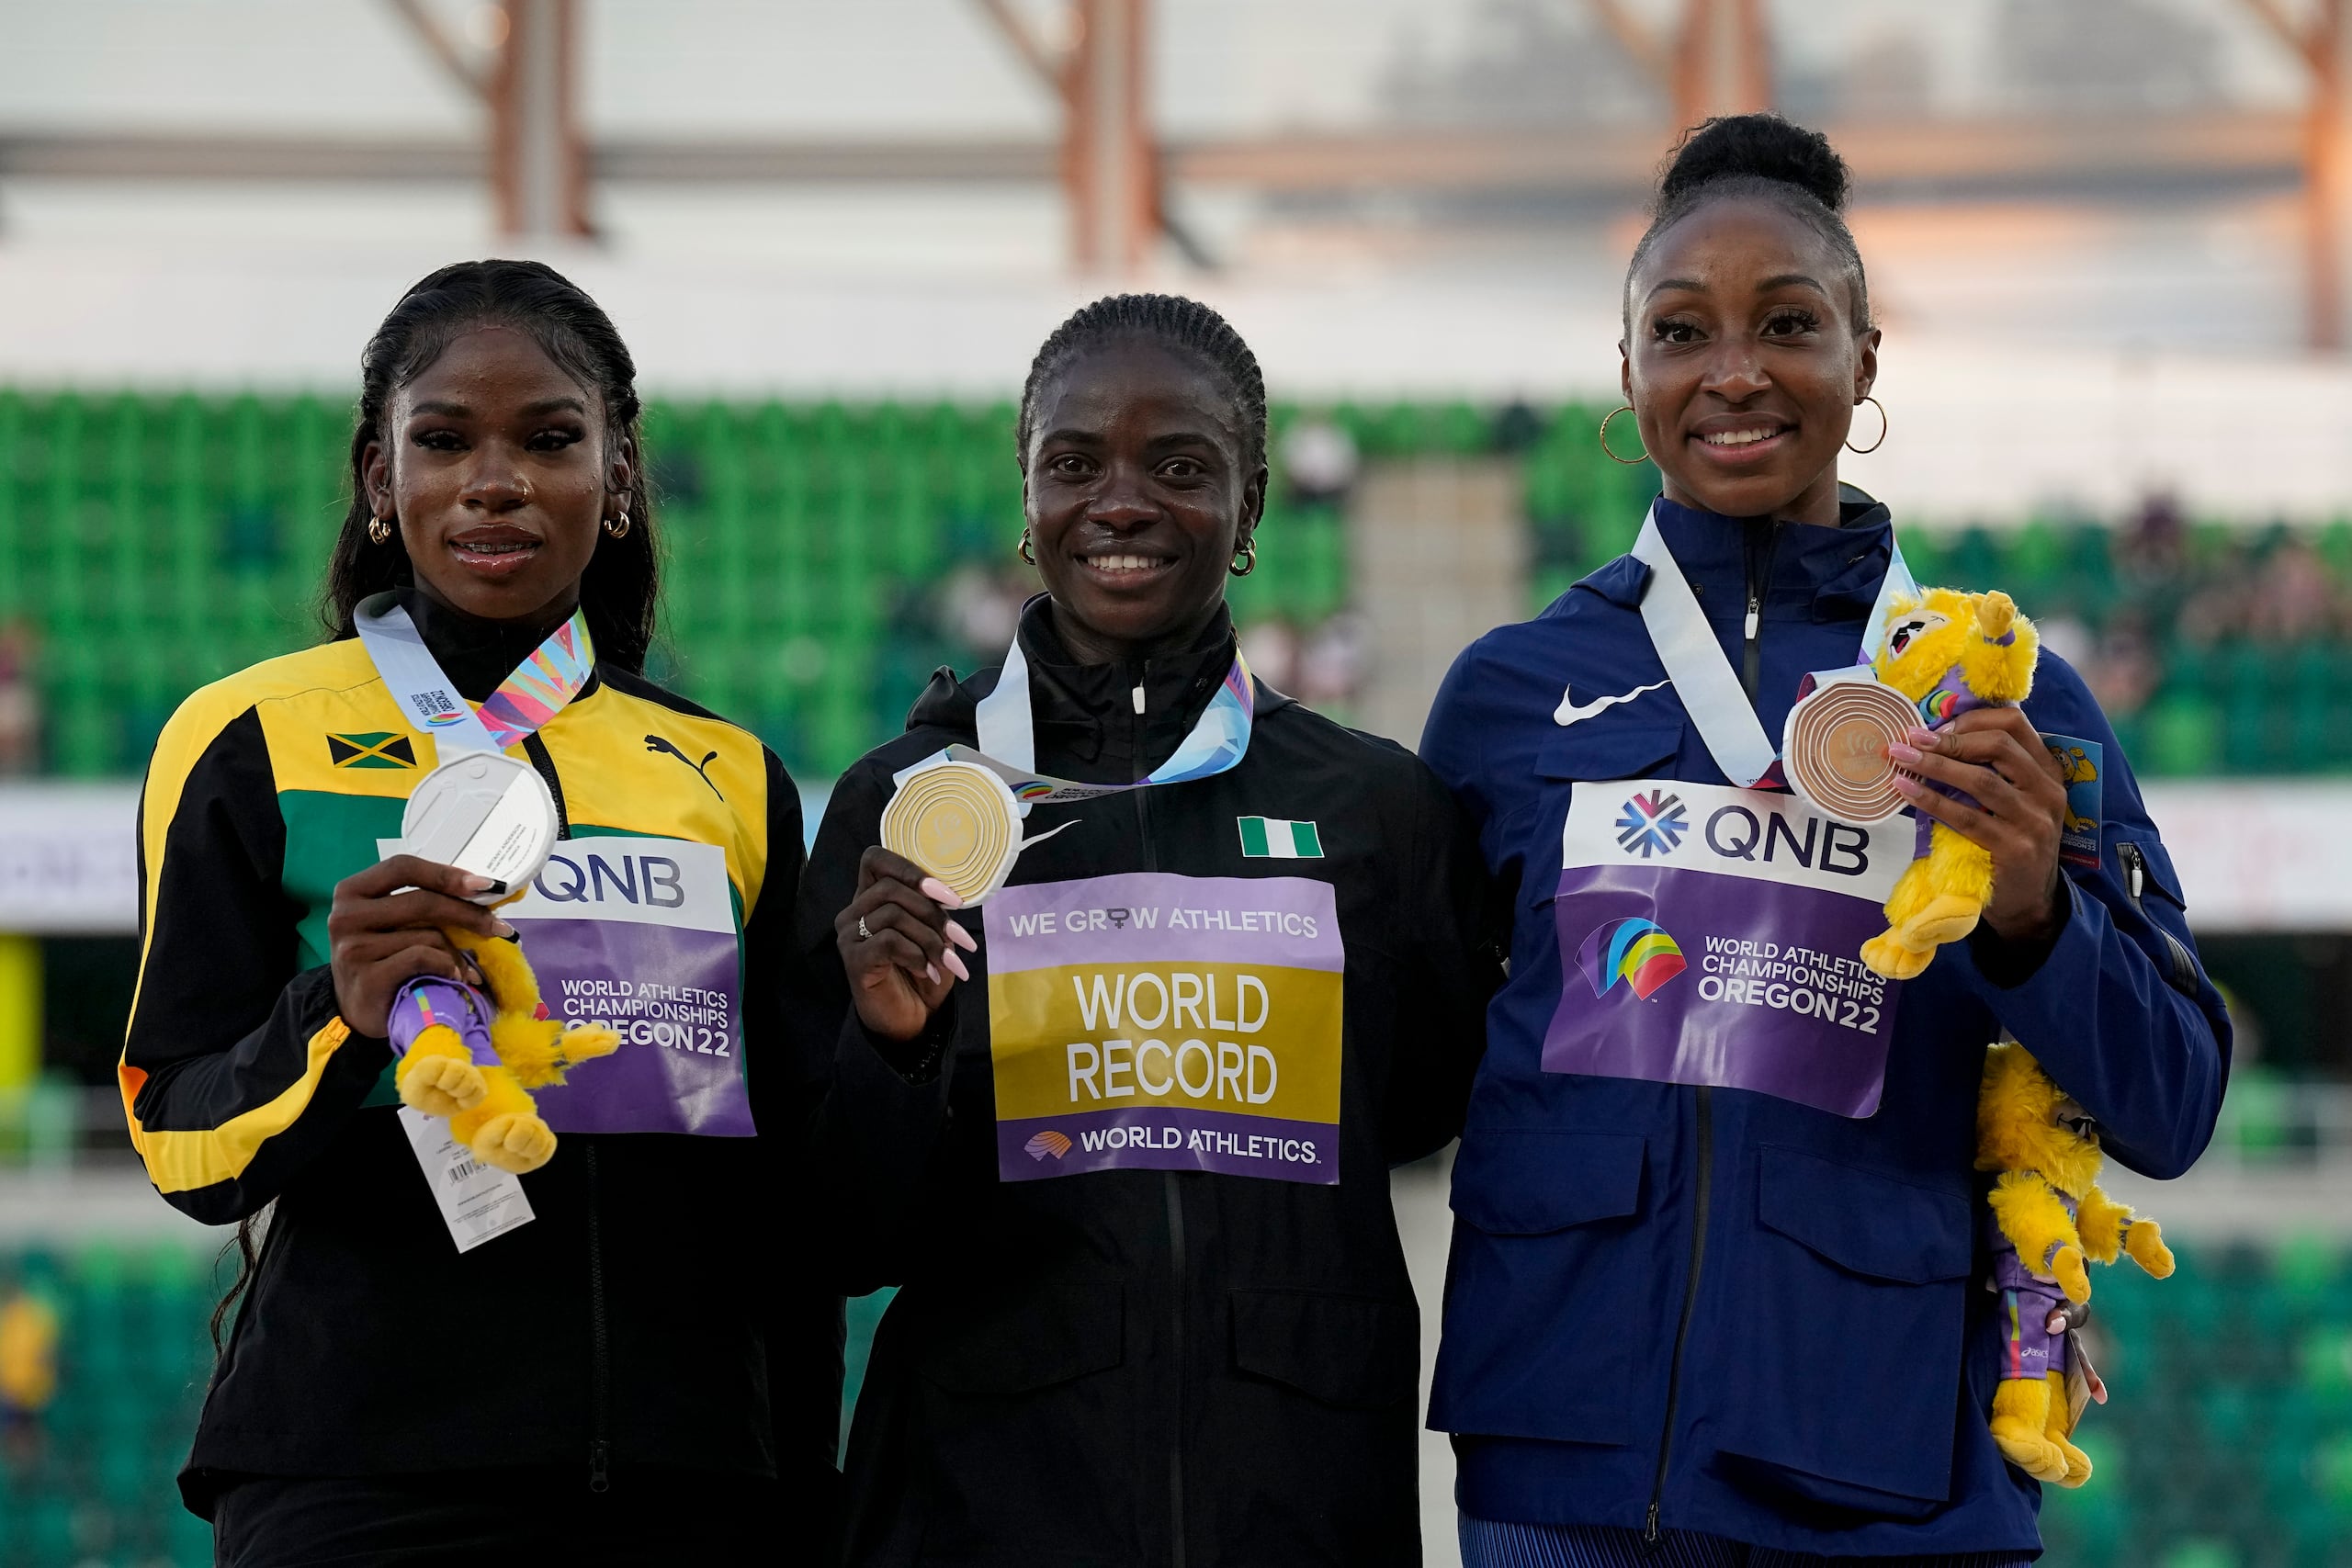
[1906, 784]
[930, 973]
[939, 893]
[484, 884]
[504, 929]
[1921, 738]
[962, 939]
[955, 962]
[1899, 752]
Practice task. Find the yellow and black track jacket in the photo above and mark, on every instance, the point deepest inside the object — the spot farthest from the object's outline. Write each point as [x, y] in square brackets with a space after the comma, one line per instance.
[632, 1323]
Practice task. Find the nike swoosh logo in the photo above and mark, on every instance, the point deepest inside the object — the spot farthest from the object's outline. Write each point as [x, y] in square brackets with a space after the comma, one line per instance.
[1568, 713]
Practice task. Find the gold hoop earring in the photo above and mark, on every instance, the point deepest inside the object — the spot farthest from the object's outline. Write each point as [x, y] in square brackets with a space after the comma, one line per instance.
[618, 530]
[1628, 462]
[1247, 556]
[380, 531]
[1865, 451]
[1026, 551]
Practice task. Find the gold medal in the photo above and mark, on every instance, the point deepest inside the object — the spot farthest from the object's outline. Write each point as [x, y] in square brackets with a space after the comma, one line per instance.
[959, 822]
[1834, 750]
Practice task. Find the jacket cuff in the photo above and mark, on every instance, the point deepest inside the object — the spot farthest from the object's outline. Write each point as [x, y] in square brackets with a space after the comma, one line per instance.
[918, 1061]
[361, 1059]
[2042, 977]
[2008, 965]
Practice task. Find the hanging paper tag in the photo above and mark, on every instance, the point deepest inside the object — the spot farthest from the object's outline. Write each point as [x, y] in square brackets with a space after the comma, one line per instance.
[478, 1201]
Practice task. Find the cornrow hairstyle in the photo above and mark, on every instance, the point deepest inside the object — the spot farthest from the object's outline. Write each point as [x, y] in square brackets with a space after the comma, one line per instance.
[622, 582]
[1759, 156]
[1175, 321]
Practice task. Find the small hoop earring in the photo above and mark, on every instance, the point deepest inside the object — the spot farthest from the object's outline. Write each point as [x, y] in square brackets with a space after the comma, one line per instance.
[1628, 462]
[1026, 551]
[380, 531]
[1865, 451]
[618, 530]
[1246, 558]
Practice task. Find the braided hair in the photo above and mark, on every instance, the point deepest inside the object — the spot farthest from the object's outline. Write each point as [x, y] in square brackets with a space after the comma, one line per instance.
[1175, 321]
[1764, 157]
[622, 582]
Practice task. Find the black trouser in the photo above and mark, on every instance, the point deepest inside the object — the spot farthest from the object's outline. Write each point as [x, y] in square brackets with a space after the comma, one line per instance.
[545, 1515]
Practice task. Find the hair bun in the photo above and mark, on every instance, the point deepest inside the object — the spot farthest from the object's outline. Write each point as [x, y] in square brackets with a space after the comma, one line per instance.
[1759, 146]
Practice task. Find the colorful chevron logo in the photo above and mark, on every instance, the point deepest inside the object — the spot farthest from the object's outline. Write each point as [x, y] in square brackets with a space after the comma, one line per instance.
[1633, 949]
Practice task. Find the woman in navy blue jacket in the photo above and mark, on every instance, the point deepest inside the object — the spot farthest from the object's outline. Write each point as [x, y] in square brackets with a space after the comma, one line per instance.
[1716, 1294]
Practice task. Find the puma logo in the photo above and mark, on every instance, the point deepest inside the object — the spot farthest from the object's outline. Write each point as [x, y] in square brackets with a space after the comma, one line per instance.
[660, 744]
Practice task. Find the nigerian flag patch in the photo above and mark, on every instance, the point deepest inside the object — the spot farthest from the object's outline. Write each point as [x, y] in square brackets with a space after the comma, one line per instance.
[1271, 837]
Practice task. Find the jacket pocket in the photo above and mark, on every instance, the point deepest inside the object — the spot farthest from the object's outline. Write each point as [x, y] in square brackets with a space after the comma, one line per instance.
[1547, 1265]
[1609, 748]
[1844, 1377]
[1596, 753]
[1353, 1351]
[1033, 1339]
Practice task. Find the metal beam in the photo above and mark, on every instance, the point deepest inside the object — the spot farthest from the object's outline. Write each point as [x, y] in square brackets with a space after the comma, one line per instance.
[1929, 156]
[1639, 44]
[538, 161]
[441, 46]
[1051, 72]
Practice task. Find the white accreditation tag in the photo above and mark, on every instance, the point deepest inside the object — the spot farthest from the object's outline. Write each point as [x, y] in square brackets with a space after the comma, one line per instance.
[478, 1201]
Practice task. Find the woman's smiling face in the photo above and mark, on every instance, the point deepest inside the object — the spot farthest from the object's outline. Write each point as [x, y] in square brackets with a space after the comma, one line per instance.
[494, 460]
[1137, 498]
[1743, 361]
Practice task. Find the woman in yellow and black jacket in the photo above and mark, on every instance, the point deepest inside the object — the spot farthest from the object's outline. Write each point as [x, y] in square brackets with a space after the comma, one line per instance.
[622, 1378]
[1122, 1133]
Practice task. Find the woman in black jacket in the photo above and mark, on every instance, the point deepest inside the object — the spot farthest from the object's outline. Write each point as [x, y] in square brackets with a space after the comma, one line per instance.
[589, 1362]
[1122, 1133]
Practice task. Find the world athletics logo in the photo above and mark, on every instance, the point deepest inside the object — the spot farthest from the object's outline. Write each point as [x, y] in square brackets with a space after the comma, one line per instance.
[1633, 949]
[1652, 824]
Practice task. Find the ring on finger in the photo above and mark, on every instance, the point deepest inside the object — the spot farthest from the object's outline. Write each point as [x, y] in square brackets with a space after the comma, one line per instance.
[863, 934]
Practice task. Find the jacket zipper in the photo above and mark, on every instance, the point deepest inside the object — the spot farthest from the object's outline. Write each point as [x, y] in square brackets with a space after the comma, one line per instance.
[1759, 563]
[600, 1378]
[2182, 967]
[1172, 1199]
[600, 1370]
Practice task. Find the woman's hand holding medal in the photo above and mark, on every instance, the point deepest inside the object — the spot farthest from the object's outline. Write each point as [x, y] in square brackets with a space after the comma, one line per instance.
[899, 945]
[1996, 757]
[385, 929]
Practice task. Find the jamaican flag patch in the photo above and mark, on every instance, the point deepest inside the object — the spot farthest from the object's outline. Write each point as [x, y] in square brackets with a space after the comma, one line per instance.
[387, 749]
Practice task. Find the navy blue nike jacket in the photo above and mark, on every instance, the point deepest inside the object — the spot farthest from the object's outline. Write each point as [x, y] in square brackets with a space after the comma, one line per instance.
[1712, 1310]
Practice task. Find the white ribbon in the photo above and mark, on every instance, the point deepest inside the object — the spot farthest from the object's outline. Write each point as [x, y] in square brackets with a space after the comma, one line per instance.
[430, 698]
[1703, 678]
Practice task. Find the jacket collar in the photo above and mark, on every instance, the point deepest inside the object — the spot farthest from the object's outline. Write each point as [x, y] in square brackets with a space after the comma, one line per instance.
[475, 654]
[1086, 712]
[1818, 573]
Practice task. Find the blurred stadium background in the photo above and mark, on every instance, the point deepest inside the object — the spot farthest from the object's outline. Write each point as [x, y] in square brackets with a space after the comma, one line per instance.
[2107, 241]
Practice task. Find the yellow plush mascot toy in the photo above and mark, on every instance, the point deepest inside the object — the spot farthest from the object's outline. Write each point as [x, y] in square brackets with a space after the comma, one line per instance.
[2047, 1216]
[1948, 652]
[474, 1059]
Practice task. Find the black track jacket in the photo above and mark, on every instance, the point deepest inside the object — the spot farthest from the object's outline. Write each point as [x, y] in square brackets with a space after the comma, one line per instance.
[1155, 1368]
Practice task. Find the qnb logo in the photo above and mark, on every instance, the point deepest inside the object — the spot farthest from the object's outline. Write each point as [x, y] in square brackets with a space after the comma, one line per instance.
[1653, 824]
[1633, 950]
[1046, 1143]
[592, 877]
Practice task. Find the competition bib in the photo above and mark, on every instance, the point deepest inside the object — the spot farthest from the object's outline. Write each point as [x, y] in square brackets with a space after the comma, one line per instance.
[639, 934]
[1162, 1022]
[1710, 935]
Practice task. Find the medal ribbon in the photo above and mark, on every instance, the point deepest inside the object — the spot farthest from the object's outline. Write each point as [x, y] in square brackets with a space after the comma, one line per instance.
[531, 695]
[1008, 738]
[1703, 677]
